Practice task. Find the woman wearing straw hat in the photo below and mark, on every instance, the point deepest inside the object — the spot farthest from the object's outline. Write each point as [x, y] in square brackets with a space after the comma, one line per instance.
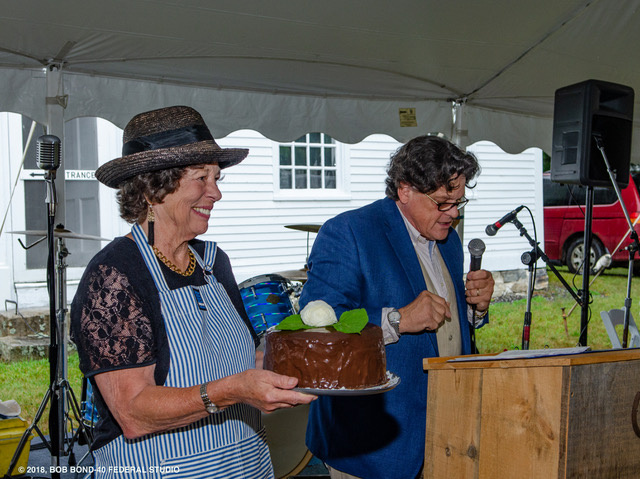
[161, 330]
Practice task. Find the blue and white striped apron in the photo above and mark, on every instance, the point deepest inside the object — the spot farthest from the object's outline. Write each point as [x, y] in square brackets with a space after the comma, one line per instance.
[208, 340]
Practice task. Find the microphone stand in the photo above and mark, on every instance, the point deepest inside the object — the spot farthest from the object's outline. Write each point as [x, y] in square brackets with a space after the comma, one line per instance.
[56, 411]
[52, 393]
[632, 248]
[60, 395]
[532, 257]
[528, 258]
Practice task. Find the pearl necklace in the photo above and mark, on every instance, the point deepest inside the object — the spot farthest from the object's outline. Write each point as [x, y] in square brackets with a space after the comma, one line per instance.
[188, 272]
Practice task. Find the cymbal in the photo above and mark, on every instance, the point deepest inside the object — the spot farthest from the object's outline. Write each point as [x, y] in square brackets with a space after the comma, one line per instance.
[60, 233]
[294, 274]
[309, 228]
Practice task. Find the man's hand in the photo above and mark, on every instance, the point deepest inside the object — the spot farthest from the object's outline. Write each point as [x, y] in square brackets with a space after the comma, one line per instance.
[425, 313]
[479, 286]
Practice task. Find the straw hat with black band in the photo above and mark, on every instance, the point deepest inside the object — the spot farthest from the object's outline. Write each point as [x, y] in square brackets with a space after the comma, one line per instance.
[166, 138]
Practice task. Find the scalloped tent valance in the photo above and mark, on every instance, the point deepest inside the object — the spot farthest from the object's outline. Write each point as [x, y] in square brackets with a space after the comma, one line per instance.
[289, 67]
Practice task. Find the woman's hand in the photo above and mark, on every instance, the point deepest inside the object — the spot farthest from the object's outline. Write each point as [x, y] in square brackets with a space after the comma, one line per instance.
[264, 390]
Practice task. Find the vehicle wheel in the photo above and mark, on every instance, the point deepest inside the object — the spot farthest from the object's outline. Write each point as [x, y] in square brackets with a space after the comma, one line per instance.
[575, 254]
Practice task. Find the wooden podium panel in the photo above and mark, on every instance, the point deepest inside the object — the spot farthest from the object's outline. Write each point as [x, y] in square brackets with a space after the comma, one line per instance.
[552, 417]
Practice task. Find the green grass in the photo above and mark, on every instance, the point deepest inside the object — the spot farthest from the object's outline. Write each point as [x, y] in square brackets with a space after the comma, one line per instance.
[27, 381]
[551, 324]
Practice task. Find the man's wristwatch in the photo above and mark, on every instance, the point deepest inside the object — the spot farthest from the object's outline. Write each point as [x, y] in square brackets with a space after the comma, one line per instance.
[208, 405]
[394, 320]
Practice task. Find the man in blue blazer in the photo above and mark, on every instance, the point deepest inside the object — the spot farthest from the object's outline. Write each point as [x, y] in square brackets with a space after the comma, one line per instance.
[401, 260]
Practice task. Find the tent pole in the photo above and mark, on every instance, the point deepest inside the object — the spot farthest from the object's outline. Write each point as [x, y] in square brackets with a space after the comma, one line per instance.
[460, 133]
[56, 104]
[460, 137]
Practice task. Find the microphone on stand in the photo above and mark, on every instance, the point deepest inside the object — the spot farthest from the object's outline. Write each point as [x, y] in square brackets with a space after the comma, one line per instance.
[492, 229]
[48, 159]
[48, 154]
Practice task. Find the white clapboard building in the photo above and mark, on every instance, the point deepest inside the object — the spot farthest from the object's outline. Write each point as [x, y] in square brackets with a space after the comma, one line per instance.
[305, 182]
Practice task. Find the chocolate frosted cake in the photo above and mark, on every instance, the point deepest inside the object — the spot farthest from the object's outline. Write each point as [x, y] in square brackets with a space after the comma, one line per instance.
[323, 358]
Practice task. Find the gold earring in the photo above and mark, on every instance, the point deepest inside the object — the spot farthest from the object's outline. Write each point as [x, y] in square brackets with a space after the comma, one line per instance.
[151, 218]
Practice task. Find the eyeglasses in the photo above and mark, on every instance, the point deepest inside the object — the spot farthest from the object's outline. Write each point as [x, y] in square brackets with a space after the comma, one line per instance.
[447, 205]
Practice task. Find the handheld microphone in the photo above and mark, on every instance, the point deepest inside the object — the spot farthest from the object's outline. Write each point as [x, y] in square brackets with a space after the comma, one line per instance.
[492, 229]
[476, 248]
[48, 154]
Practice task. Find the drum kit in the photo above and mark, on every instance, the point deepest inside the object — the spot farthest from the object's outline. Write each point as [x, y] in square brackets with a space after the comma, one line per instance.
[268, 299]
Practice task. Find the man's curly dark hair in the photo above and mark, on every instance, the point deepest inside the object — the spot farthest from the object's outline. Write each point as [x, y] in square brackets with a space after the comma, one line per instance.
[428, 163]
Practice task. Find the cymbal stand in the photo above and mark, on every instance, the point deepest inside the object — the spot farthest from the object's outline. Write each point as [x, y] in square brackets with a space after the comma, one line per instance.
[68, 401]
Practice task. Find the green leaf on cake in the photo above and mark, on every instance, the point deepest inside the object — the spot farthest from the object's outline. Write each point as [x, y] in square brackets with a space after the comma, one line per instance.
[292, 323]
[352, 321]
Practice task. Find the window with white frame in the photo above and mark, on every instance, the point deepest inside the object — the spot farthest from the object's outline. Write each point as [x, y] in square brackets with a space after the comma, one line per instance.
[309, 163]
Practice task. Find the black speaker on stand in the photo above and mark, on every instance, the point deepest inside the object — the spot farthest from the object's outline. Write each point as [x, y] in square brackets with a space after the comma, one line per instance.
[580, 111]
[587, 116]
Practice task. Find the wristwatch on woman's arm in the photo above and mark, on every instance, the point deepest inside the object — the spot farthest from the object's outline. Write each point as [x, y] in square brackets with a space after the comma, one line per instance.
[208, 404]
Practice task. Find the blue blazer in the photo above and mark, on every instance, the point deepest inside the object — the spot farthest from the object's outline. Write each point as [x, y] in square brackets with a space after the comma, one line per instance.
[365, 259]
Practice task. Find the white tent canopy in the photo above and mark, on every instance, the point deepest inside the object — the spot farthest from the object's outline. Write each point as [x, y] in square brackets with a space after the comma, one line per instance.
[345, 68]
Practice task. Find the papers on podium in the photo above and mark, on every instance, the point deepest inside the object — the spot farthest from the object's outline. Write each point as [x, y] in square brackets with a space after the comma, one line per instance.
[525, 354]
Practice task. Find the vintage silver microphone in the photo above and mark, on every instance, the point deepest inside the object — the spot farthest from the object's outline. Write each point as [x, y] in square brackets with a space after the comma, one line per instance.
[48, 149]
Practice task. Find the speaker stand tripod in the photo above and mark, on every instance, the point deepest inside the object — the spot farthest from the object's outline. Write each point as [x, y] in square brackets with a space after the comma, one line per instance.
[64, 407]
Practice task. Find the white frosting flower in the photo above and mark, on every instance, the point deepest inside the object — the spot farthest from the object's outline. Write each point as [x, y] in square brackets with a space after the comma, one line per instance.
[318, 314]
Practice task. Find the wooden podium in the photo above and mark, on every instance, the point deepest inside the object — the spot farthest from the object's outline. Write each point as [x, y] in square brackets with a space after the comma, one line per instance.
[550, 417]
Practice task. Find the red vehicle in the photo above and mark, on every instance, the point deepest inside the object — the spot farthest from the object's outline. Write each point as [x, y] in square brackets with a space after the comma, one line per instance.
[564, 222]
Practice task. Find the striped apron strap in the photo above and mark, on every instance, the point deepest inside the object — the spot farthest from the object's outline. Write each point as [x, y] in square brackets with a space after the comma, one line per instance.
[210, 251]
[149, 257]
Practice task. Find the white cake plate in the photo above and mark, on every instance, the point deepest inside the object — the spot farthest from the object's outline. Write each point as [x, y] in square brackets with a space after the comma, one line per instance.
[392, 382]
